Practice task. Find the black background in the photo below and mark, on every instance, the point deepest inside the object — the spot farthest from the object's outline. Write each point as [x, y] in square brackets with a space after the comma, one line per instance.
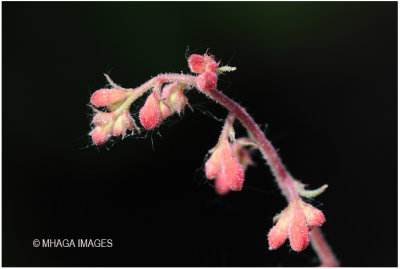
[320, 78]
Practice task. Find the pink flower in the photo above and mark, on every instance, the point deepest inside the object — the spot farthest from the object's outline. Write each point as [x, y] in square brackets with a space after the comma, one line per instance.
[224, 166]
[123, 123]
[174, 99]
[207, 80]
[102, 118]
[100, 134]
[106, 97]
[295, 222]
[198, 63]
[150, 113]
[108, 123]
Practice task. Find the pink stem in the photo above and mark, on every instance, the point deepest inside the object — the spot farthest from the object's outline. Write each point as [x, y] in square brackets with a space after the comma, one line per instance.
[323, 250]
[282, 176]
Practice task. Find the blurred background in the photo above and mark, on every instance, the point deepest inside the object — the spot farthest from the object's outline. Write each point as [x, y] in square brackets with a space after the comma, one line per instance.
[319, 78]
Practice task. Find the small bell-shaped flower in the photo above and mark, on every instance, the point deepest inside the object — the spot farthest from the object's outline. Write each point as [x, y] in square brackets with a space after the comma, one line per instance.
[174, 99]
[200, 63]
[106, 97]
[224, 167]
[295, 222]
[150, 114]
[100, 134]
[123, 123]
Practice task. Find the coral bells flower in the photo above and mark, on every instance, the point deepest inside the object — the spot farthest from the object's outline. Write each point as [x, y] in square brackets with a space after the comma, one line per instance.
[198, 63]
[110, 123]
[224, 166]
[150, 113]
[102, 118]
[295, 222]
[207, 80]
[106, 97]
[174, 99]
[123, 123]
[100, 134]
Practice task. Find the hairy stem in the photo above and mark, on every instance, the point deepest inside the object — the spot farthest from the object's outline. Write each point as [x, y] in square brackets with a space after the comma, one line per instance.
[323, 250]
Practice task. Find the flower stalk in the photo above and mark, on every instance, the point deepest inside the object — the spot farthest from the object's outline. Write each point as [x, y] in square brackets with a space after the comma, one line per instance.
[299, 221]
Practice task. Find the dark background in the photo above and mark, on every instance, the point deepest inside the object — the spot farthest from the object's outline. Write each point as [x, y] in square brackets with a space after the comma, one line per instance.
[321, 75]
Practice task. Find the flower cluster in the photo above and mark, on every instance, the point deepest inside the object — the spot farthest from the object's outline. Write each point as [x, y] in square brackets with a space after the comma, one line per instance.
[295, 222]
[207, 68]
[114, 122]
[228, 161]
[157, 108]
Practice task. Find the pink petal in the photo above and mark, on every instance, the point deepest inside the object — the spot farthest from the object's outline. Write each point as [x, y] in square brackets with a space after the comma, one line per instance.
[213, 165]
[150, 115]
[298, 230]
[105, 97]
[278, 234]
[231, 167]
[314, 216]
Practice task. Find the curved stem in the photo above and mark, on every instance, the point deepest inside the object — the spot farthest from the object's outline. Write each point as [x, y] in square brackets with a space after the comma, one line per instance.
[282, 176]
[323, 250]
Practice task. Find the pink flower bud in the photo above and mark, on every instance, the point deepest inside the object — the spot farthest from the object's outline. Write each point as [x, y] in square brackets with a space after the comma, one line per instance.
[211, 64]
[213, 164]
[100, 134]
[298, 230]
[278, 234]
[207, 80]
[103, 118]
[106, 97]
[150, 114]
[314, 216]
[123, 123]
[295, 222]
[173, 95]
[196, 63]
[224, 166]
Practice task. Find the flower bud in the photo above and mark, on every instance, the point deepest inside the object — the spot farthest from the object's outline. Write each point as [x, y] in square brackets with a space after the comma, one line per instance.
[224, 166]
[106, 97]
[314, 216]
[100, 134]
[211, 64]
[173, 95]
[298, 230]
[207, 80]
[278, 234]
[196, 63]
[295, 222]
[150, 114]
[103, 118]
[124, 122]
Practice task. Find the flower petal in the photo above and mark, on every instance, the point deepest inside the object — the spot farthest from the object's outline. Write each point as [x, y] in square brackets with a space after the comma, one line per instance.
[298, 230]
[106, 97]
[231, 167]
[150, 114]
[278, 234]
[314, 216]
